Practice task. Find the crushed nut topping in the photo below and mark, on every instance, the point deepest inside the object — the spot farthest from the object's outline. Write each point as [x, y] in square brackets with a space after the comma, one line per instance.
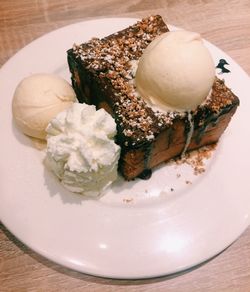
[116, 59]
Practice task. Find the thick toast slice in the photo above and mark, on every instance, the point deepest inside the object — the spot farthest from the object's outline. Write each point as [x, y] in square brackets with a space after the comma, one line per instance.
[103, 73]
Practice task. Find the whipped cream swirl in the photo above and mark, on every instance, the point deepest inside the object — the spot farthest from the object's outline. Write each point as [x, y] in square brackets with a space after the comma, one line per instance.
[81, 150]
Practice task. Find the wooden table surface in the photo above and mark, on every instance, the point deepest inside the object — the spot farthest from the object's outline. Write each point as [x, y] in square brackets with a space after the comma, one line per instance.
[224, 23]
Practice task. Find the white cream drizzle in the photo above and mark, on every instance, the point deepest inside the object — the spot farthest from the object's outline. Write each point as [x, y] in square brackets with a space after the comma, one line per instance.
[189, 134]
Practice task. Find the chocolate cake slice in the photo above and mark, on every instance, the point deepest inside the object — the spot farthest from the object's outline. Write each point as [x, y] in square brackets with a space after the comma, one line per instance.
[103, 72]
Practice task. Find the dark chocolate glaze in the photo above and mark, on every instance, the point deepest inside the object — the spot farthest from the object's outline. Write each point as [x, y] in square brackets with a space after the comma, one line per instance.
[221, 65]
[201, 130]
[146, 174]
[187, 125]
[206, 118]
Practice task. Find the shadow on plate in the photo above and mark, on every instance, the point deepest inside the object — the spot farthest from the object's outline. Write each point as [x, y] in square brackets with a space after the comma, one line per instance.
[55, 188]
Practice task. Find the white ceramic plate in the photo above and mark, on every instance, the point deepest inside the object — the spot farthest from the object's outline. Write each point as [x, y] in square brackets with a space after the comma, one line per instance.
[138, 229]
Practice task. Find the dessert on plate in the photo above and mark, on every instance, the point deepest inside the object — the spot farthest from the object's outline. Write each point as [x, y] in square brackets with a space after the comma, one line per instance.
[104, 74]
[37, 99]
[81, 150]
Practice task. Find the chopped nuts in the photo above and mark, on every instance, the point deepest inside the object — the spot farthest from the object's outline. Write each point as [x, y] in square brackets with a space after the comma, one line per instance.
[116, 59]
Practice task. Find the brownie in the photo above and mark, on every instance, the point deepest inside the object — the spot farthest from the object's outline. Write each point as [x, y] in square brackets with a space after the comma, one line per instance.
[103, 72]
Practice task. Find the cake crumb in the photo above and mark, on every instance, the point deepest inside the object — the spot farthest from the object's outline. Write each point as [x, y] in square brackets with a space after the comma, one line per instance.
[128, 200]
[196, 159]
[188, 182]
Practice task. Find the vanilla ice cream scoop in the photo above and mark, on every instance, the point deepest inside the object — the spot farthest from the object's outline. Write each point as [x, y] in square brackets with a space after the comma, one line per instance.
[175, 72]
[39, 98]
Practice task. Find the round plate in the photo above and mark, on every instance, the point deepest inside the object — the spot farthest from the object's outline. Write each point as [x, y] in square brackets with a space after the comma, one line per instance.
[138, 229]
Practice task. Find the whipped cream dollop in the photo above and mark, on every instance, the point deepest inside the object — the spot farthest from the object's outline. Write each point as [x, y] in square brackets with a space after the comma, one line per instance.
[175, 72]
[81, 150]
[39, 98]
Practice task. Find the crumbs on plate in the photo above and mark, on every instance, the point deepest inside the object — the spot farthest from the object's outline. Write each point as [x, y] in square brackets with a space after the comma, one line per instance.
[197, 158]
[128, 200]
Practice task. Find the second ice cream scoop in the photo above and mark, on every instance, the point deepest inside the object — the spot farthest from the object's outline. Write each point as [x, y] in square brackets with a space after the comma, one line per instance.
[39, 98]
[176, 71]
